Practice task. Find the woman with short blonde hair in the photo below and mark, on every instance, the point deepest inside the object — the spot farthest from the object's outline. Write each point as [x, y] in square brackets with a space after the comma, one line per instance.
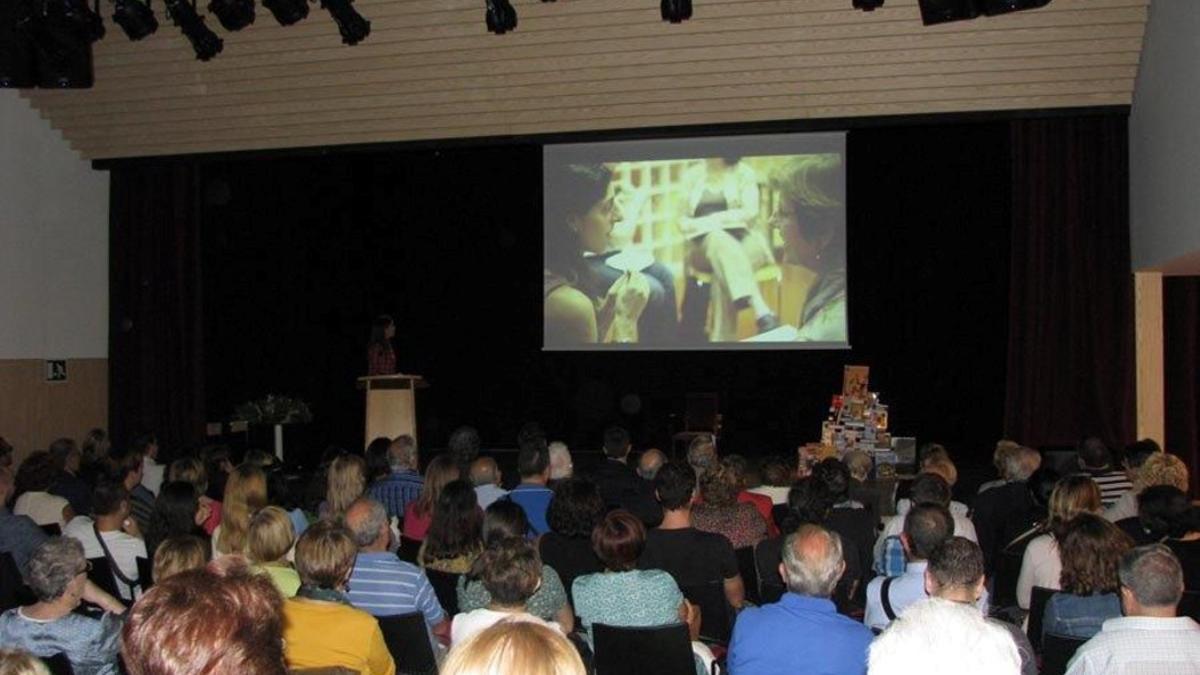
[179, 554]
[245, 494]
[269, 539]
[346, 481]
[515, 647]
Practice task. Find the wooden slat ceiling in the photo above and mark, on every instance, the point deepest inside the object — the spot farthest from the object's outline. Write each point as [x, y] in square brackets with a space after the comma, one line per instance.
[431, 70]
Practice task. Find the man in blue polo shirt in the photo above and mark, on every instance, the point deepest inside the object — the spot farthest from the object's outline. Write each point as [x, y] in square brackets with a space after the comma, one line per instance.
[802, 633]
[533, 463]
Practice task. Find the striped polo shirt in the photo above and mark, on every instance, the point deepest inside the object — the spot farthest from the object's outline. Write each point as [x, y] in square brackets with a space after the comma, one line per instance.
[384, 585]
[1112, 484]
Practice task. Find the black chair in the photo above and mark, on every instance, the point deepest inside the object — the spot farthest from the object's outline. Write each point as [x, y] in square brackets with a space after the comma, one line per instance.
[1037, 611]
[1057, 651]
[59, 664]
[661, 650]
[145, 573]
[770, 586]
[1004, 587]
[445, 586]
[52, 530]
[716, 616]
[779, 514]
[408, 549]
[407, 639]
[101, 574]
[13, 591]
[1189, 605]
[749, 572]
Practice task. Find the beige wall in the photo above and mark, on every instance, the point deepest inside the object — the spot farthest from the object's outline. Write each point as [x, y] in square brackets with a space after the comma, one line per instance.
[34, 412]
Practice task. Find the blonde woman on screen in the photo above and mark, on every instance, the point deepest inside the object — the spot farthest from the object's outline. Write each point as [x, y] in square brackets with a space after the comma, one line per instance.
[515, 647]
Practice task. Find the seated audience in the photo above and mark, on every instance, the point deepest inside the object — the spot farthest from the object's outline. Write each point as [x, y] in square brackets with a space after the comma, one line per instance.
[216, 619]
[955, 573]
[572, 515]
[1095, 460]
[245, 494]
[320, 627]
[57, 575]
[19, 535]
[1180, 525]
[721, 513]
[619, 484]
[402, 484]
[18, 662]
[377, 461]
[937, 461]
[855, 523]
[515, 647]
[939, 637]
[803, 631]
[926, 527]
[1163, 472]
[649, 463]
[112, 535]
[345, 482]
[511, 572]
[533, 465]
[1003, 459]
[454, 538]
[419, 513]
[67, 484]
[777, 480]
[1149, 637]
[179, 554]
[1091, 550]
[561, 466]
[691, 556]
[178, 511]
[34, 478]
[1006, 510]
[1155, 504]
[191, 470]
[218, 466]
[95, 447]
[927, 489]
[1041, 564]
[486, 477]
[268, 542]
[506, 520]
[125, 467]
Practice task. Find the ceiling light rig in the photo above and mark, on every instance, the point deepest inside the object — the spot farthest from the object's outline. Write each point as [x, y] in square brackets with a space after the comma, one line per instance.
[500, 16]
[942, 11]
[233, 15]
[353, 27]
[63, 35]
[205, 42]
[287, 12]
[18, 56]
[135, 17]
[868, 5]
[676, 11]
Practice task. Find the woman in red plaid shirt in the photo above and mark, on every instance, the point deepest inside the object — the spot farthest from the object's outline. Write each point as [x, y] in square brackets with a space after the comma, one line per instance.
[381, 359]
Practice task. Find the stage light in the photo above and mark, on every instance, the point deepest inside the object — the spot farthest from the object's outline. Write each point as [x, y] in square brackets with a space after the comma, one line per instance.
[205, 42]
[994, 7]
[287, 12]
[135, 18]
[18, 56]
[868, 5]
[941, 11]
[676, 11]
[63, 37]
[501, 17]
[234, 15]
[353, 27]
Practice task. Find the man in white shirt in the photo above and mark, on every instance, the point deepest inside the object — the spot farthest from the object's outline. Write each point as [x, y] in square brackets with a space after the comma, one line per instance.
[120, 535]
[485, 476]
[927, 488]
[152, 471]
[1150, 639]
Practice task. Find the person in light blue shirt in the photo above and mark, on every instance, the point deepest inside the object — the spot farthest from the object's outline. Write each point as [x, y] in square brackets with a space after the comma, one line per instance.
[485, 476]
[533, 463]
[403, 484]
[802, 633]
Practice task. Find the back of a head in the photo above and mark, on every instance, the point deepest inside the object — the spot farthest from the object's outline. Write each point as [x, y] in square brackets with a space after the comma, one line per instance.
[836, 477]
[439, 473]
[930, 488]
[1165, 511]
[719, 486]
[560, 461]
[858, 463]
[1161, 469]
[366, 518]
[926, 527]
[219, 619]
[575, 508]
[504, 519]
[463, 445]
[1137, 452]
[108, 499]
[61, 448]
[325, 555]
[1090, 549]
[514, 647]
[510, 570]
[402, 453]
[456, 527]
[17, 662]
[619, 540]
[270, 536]
[1003, 453]
[36, 473]
[533, 458]
[650, 463]
[957, 563]
[812, 559]
[1094, 453]
[702, 453]
[179, 554]
[1021, 463]
[1072, 496]
[346, 482]
[809, 501]
[941, 466]
[675, 485]
[1041, 486]
[940, 637]
[484, 471]
[121, 463]
[1154, 576]
[616, 442]
[191, 470]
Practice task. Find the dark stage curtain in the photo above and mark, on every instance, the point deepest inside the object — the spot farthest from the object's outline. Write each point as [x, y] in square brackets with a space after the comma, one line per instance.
[1070, 336]
[156, 377]
[1181, 359]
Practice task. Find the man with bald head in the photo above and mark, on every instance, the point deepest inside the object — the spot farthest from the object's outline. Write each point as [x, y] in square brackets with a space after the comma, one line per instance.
[802, 632]
[485, 476]
[650, 462]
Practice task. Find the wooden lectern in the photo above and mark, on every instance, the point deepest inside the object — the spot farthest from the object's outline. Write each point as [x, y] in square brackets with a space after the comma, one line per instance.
[391, 405]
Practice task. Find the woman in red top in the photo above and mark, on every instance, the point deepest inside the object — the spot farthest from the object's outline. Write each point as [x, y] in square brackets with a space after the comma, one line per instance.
[381, 360]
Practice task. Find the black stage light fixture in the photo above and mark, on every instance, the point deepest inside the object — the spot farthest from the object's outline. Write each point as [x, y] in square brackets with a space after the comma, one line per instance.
[941, 11]
[234, 15]
[18, 54]
[63, 37]
[676, 11]
[500, 16]
[287, 12]
[353, 27]
[205, 42]
[135, 18]
[868, 5]
[994, 7]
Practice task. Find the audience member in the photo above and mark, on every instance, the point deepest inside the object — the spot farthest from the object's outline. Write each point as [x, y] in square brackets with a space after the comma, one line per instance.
[455, 537]
[216, 619]
[1003, 459]
[702, 453]
[855, 523]
[377, 459]
[57, 575]
[269, 539]
[777, 480]
[402, 484]
[321, 628]
[462, 448]
[1180, 525]
[1136, 454]
[1155, 469]
[1095, 460]
[218, 466]
[511, 572]
[1006, 510]
[191, 470]
[691, 556]
[938, 463]
[179, 554]
[345, 482]
[485, 476]
[419, 513]
[95, 448]
[1091, 550]
[955, 573]
[650, 462]
[125, 467]
[245, 494]
[803, 631]
[741, 476]
[506, 520]
[1155, 504]
[112, 535]
[68, 458]
[619, 484]
[939, 637]
[1149, 637]
[34, 478]
[561, 466]
[19, 535]
[1041, 564]
[18, 662]
[533, 465]
[1040, 488]
[153, 473]
[720, 511]
[178, 511]
[927, 489]
[515, 647]
[572, 515]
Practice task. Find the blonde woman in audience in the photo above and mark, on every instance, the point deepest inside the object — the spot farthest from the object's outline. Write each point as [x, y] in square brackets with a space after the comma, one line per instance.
[179, 554]
[346, 481]
[418, 514]
[17, 662]
[1159, 468]
[1041, 564]
[515, 647]
[245, 494]
[191, 470]
[268, 542]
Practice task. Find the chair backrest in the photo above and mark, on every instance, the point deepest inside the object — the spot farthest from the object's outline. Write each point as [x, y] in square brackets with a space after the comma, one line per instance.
[408, 549]
[1037, 610]
[749, 572]
[1008, 568]
[145, 570]
[407, 639]
[659, 650]
[770, 586]
[715, 613]
[779, 513]
[52, 529]
[101, 574]
[445, 586]
[59, 664]
[1057, 651]
[13, 591]
[1189, 605]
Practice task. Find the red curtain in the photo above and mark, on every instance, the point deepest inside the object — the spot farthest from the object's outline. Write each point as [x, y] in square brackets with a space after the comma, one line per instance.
[1181, 359]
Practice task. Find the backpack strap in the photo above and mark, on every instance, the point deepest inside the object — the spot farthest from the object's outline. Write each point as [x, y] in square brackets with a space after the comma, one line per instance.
[887, 602]
[112, 563]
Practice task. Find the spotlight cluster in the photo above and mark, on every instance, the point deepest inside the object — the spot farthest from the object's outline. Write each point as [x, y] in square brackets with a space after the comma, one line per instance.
[499, 16]
[942, 11]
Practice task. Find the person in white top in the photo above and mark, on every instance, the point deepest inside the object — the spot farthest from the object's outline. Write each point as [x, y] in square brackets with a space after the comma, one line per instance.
[1040, 564]
[1149, 639]
[940, 637]
[511, 571]
[152, 471]
[119, 532]
[34, 478]
[927, 488]
[777, 480]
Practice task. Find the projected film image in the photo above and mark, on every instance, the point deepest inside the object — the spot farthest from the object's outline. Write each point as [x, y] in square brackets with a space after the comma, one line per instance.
[653, 245]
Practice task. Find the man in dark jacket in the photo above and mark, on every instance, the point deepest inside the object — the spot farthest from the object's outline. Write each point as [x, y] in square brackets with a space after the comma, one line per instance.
[620, 486]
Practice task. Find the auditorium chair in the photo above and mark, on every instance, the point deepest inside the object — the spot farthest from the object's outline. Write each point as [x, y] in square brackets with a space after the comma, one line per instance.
[716, 616]
[408, 549]
[770, 587]
[746, 567]
[58, 664]
[100, 573]
[145, 573]
[1057, 651]
[51, 530]
[1004, 586]
[1037, 611]
[658, 650]
[1189, 605]
[445, 586]
[407, 639]
[13, 591]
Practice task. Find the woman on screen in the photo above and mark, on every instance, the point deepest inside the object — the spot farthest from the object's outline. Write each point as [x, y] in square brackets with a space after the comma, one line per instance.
[381, 359]
[811, 217]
